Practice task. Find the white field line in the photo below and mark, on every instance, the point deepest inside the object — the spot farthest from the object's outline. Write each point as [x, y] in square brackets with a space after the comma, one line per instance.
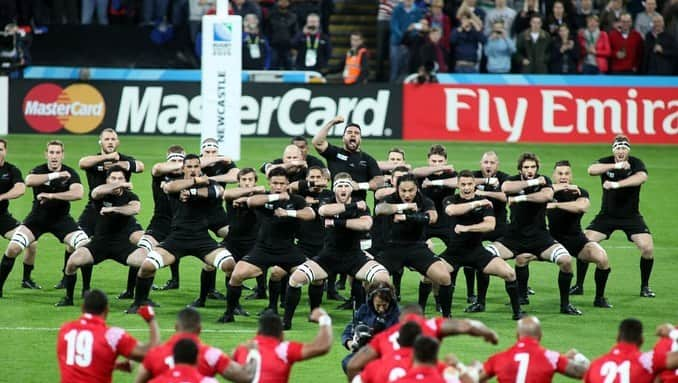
[204, 330]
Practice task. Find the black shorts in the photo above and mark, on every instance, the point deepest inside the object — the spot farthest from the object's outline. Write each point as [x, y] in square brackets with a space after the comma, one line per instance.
[105, 248]
[133, 226]
[88, 219]
[197, 247]
[533, 245]
[477, 258]
[59, 227]
[417, 256]
[495, 234]
[217, 219]
[310, 251]
[285, 259]
[238, 249]
[630, 226]
[159, 227]
[440, 232]
[573, 243]
[346, 262]
[7, 223]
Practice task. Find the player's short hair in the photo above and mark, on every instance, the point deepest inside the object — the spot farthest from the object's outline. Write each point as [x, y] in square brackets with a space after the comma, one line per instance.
[426, 349]
[411, 308]
[396, 149]
[437, 149]
[408, 333]
[4, 142]
[115, 168]
[175, 149]
[352, 125]
[400, 169]
[278, 172]
[107, 130]
[318, 168]
[342, 176]
[631, 330]
[54, 143]
[270, 324]
[527, 156]
[185, 351]
[95, 302]
[191, 156]
[188, 320]
[562, 163]
[245, 171]
[465, 173]
[298, 138]
[409, 177]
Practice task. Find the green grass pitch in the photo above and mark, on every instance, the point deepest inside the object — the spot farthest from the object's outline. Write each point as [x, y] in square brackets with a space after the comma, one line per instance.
[29, 322]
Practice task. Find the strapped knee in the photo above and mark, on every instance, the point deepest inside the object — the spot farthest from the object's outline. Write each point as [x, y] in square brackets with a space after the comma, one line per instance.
[78, 239]
[308, 273]
[145, 243]
[20, 239]
[373, 271]
[492, 249]
[221, 257]
[155, 259]
[558, 252]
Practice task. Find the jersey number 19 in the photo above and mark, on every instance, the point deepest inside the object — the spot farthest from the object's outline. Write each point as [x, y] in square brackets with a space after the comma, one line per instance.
[79, 347]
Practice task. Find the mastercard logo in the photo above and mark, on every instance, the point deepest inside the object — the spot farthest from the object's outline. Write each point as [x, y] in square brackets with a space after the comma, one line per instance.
[78, 108]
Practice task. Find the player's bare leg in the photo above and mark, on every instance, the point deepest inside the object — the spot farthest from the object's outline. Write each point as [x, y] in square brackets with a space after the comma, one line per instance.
[594, 253]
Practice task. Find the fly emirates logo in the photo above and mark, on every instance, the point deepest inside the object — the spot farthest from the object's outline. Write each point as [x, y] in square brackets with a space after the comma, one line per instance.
[584, 111]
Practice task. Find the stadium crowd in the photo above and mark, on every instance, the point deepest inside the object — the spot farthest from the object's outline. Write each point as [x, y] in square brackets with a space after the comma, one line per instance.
[312, 223]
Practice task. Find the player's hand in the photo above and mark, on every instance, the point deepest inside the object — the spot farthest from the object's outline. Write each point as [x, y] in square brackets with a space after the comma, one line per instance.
[240, 202]
[491, 337]
[280, 212]
[224, 159]
[184, 195]
[284, 196]
[310, 200]
[399, 218]
[542, 180]
[623, 164]
[115, 156]
[106, 210]
[574, 189]
[42, 197]
[493, 181]
[411, 206]
[426, 183]
[259, 190]
[146, 312]
[123, 164]
[316, 314]
[484, 202]
[298, 164]
[123, 365]
[361, 205]
[337, 120]
[460, 229]
[202, 180]
[448, 168]
[663, 330]
[607, 185]
[551, 205]
[65, 175]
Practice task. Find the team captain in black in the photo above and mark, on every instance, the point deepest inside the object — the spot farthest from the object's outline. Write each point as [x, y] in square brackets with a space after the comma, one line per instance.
[279, 213]
[116, 205]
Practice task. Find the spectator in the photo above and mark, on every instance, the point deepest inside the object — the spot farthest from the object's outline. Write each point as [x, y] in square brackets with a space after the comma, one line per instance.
[245, 7]
[439, 20]
[312, 46]
[564, 52]
[661, 49]
[611, 15]
[533, 48]
[355, 67]
[415, 40]
[470, 6]
[383, 34]
[502, 13]
[645, 20]
[302, 8]
[435, 51]
[626, 47]
[585, 10]
[152, 11]
[558, 17]
[404, 14]
[98, 6]
[499, 49]
[256, 53]
[282, 28]
[594, 46]
[466, 40]
[522, 21]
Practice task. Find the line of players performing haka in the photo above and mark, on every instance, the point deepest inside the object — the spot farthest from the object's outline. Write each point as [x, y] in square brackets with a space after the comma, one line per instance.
[314, 222]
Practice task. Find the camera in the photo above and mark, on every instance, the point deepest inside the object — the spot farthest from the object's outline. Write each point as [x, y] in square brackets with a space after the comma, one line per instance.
[362, 334]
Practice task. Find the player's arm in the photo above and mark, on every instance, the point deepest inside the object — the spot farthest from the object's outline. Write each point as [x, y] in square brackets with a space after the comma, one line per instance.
[235, 193]
[207, 162]
[542, 196]
[425, 171]
[263, 199]
[391, 208]
[359, 360]
[363, 223]
[178, 185]
[103, 190]
[140, 350]
[600, 168]
[212, 192]
[16, 191]
[162, 168]
[230, 177]
[447, 182]
[486, 226]
[323, 341]
[636, 179]
[332, 209]
[74, 193]
[320, 139]
[33, 180]
[383, 193]
[132, 208]
[513, 187]
[580, 205]
[236, 372]
[91, 161]
[304, 214]
[463, 208]
[470, 327]
[388, 166]
[131, 165]
[143, 375]
[499, 196]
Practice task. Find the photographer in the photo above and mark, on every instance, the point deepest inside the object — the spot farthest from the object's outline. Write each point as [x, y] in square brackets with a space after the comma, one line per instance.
[465, 41]
[377, 314]
[499, 49]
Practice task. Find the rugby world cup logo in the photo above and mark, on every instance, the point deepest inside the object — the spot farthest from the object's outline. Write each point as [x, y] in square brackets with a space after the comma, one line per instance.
[78, 108]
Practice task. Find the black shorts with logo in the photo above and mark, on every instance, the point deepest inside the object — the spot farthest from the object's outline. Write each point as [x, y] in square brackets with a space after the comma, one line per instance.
[105, 248]
[416, 256]
[573, 243]
[346, 262]
[238, 249]
[533, 244]
[7, 223]
[285, 259]
[59, 227]
[630, 226]
[197, 247]
[477, 258]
